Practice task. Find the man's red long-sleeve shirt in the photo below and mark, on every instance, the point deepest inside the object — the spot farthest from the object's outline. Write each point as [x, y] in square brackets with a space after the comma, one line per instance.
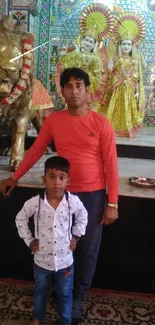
[88, 143]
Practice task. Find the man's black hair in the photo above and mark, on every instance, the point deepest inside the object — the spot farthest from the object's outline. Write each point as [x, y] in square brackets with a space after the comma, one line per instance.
[77, 73]
[58, 163]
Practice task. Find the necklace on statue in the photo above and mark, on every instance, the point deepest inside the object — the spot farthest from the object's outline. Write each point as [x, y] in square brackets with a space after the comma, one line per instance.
[89, 59]
[126, 74]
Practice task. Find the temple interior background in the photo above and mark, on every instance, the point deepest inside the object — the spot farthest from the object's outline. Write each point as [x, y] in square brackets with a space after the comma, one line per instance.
[127, 255]
[55, 23]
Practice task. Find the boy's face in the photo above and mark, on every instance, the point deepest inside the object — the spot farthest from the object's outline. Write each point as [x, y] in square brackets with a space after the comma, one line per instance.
[56, 181]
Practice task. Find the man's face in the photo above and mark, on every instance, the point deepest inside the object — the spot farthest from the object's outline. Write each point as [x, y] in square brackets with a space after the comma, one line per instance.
[75, 93]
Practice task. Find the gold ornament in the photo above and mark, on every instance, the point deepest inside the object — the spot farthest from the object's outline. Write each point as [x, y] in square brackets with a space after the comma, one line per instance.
[98, 19]
[129, 25]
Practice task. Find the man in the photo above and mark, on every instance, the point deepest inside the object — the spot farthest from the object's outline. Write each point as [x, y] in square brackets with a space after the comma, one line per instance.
[86, 139]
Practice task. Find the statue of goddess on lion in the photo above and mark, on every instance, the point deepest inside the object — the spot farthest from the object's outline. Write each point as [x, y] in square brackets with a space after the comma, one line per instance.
[19, 104]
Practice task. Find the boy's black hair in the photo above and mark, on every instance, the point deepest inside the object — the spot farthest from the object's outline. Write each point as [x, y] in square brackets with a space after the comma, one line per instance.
[58, 163]
[77, 73]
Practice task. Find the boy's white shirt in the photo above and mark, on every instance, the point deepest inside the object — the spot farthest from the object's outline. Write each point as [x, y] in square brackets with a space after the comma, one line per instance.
[54, 239]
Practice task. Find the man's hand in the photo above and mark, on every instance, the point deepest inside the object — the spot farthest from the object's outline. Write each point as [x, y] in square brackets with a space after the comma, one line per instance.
[7, 185]
[34, 246]
[73, 244]
[109, 216]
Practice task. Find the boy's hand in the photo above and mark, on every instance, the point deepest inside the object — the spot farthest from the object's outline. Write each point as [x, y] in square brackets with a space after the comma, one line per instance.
[34, 246]
[73, 243]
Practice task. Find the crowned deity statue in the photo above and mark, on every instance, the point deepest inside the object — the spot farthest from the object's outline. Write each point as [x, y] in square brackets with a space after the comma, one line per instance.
[126, 64]
[96, 23]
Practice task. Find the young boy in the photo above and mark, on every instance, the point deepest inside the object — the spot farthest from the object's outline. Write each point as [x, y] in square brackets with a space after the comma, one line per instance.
[60, 220]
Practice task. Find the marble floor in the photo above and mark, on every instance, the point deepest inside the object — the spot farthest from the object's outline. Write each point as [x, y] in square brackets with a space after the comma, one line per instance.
[146, 137]
[128, 167]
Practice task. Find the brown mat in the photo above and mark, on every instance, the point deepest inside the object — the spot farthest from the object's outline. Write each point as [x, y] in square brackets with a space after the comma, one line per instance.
[101, 306]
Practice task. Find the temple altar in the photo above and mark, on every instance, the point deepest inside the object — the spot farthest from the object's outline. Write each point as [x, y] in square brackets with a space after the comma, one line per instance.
[128, 167]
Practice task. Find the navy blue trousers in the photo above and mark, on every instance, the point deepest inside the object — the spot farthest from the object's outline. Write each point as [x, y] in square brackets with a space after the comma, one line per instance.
[86, 253]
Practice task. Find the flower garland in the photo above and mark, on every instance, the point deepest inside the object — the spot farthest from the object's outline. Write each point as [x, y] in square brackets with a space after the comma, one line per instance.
[88, 55]
[90, 58]
[128, 73]
[24, 76]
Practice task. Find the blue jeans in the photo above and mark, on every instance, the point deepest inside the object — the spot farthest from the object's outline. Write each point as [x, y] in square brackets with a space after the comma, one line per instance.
[86, 253]
[64, 288]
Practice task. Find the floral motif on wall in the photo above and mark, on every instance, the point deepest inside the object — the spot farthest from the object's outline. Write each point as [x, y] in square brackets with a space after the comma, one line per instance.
[3, 7]
[43, 66]
[20, 17]
[2, 3]
[69, 2]
[151, 5]
[20, 3]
